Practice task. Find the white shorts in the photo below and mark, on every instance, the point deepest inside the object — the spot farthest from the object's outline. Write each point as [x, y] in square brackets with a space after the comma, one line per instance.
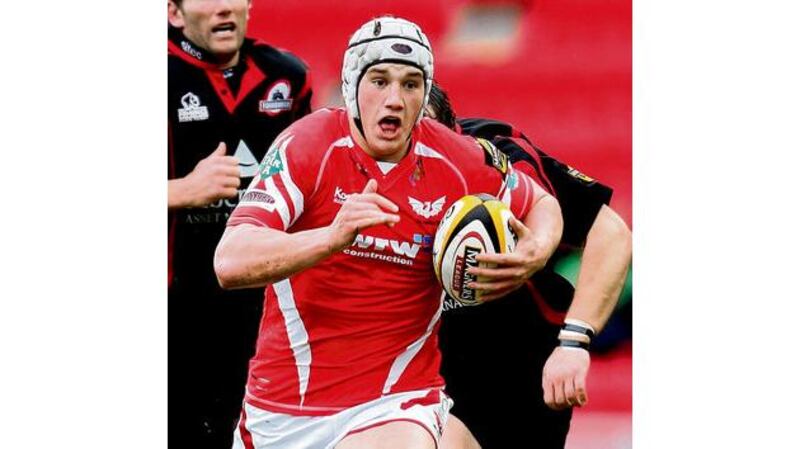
[261, 429]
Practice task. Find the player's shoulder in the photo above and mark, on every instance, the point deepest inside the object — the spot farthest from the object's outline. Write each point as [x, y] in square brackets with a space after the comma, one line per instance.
[445, 142]
[312, 135]
[274, 59]
[485, 127]
[464, 151]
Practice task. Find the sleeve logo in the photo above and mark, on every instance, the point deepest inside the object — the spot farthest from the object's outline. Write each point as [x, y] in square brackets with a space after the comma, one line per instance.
[273, 161]
[494, 156]
[578, 175]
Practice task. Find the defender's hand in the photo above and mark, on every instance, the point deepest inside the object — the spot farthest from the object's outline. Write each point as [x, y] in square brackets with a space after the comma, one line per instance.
[564, 378]
[510, 270]
[360, 211]
[213, 178]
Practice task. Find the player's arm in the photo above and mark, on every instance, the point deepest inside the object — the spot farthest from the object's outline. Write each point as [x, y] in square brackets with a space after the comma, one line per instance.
[213, 178]
[254, 256]
[539, 232]
[604, 266]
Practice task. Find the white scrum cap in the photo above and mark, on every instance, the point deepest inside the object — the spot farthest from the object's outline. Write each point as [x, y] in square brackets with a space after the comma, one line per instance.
[384, 39]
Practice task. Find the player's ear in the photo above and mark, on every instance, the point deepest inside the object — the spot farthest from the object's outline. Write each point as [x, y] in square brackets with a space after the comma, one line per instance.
[174, 14]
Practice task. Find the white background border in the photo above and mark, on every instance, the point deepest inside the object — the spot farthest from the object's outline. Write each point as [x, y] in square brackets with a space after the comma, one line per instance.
[83, 301]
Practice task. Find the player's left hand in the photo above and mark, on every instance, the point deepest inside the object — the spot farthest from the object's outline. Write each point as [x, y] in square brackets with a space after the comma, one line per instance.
[507, 272]
[564, 378]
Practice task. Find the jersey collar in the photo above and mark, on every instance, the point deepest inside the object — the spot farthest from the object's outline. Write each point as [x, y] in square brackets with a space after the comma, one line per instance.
[369, 167]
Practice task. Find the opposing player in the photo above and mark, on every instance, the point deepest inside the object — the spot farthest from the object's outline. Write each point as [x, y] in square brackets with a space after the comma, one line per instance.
[521, 333]
[347, 353]
[229, 97]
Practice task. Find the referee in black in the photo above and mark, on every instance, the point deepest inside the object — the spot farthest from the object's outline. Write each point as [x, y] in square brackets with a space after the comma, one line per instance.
[229, 97]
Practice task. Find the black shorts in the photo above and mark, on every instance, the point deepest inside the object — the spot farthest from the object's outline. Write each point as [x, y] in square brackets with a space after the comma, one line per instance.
[212, 337]
[492, 360]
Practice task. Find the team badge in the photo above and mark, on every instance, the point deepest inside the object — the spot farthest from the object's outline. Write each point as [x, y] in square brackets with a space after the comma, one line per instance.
[426, 209]
[278, 98]
[192, 110]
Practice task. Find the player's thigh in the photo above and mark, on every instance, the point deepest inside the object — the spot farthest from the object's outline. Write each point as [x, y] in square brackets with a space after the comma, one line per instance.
[391, 435]
[457, 436]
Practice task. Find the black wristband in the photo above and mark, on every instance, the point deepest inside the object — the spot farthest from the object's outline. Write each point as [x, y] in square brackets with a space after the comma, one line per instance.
[579, 329]
[573, 344]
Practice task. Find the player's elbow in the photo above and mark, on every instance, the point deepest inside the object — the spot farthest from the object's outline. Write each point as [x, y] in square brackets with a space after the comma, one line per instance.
[226, 266]
[225, 269]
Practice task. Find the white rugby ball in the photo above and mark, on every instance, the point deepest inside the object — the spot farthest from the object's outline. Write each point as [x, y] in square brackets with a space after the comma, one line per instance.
[472, 225]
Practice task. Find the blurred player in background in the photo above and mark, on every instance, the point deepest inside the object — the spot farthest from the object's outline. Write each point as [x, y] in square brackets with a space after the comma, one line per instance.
[494, 355]
[347, 353]
[229, 97]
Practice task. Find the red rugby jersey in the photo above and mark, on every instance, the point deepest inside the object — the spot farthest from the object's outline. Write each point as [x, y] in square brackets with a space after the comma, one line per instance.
[363, 322]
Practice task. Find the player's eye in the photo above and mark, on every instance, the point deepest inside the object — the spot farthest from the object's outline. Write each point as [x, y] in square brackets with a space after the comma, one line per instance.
[411, 85]
[378, 82]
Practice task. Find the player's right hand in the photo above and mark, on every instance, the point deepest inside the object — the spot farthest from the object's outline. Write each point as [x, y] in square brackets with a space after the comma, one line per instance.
[564, 378]
[213, 178]
[360, 211]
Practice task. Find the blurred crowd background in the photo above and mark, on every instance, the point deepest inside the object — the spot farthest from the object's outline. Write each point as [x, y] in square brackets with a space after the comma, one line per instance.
[560, 70]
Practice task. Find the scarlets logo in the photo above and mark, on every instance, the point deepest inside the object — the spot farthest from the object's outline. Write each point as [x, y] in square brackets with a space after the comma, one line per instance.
[427, 209]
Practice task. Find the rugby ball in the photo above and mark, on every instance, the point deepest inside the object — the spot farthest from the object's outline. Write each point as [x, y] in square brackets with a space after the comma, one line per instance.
[472, 225]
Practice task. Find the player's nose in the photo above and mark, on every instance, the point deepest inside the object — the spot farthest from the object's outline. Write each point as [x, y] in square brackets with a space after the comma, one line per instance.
[393, 98]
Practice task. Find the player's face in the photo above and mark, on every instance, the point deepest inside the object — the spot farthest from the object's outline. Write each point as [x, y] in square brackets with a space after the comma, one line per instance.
[390, 98]
[217, 26]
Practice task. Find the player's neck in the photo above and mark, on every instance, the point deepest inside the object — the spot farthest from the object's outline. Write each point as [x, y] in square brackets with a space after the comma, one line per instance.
[227, 62]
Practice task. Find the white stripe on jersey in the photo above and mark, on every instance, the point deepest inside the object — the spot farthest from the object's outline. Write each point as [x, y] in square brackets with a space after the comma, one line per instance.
[344, 142]
[401, 362]
[280, 201]
[424, 150]
[295, 195]
[506, 194]
[296, 331]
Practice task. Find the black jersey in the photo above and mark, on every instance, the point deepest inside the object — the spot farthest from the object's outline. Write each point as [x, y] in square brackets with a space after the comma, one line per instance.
[580, 196]
[246, 107]
[212, 332]
[493, 354]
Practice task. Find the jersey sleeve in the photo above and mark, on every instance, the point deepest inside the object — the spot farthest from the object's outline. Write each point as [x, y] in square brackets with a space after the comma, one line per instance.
[276, 197]
[488, 170]
[581, 198]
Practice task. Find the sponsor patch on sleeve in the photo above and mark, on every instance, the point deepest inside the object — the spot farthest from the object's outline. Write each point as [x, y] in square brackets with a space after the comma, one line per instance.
[274, 159]
[575, 173]
[258, 198]
[494, 157]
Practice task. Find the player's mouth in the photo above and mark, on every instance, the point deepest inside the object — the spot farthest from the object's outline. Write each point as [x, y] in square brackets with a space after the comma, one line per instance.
[225, 29]
[389, 126]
